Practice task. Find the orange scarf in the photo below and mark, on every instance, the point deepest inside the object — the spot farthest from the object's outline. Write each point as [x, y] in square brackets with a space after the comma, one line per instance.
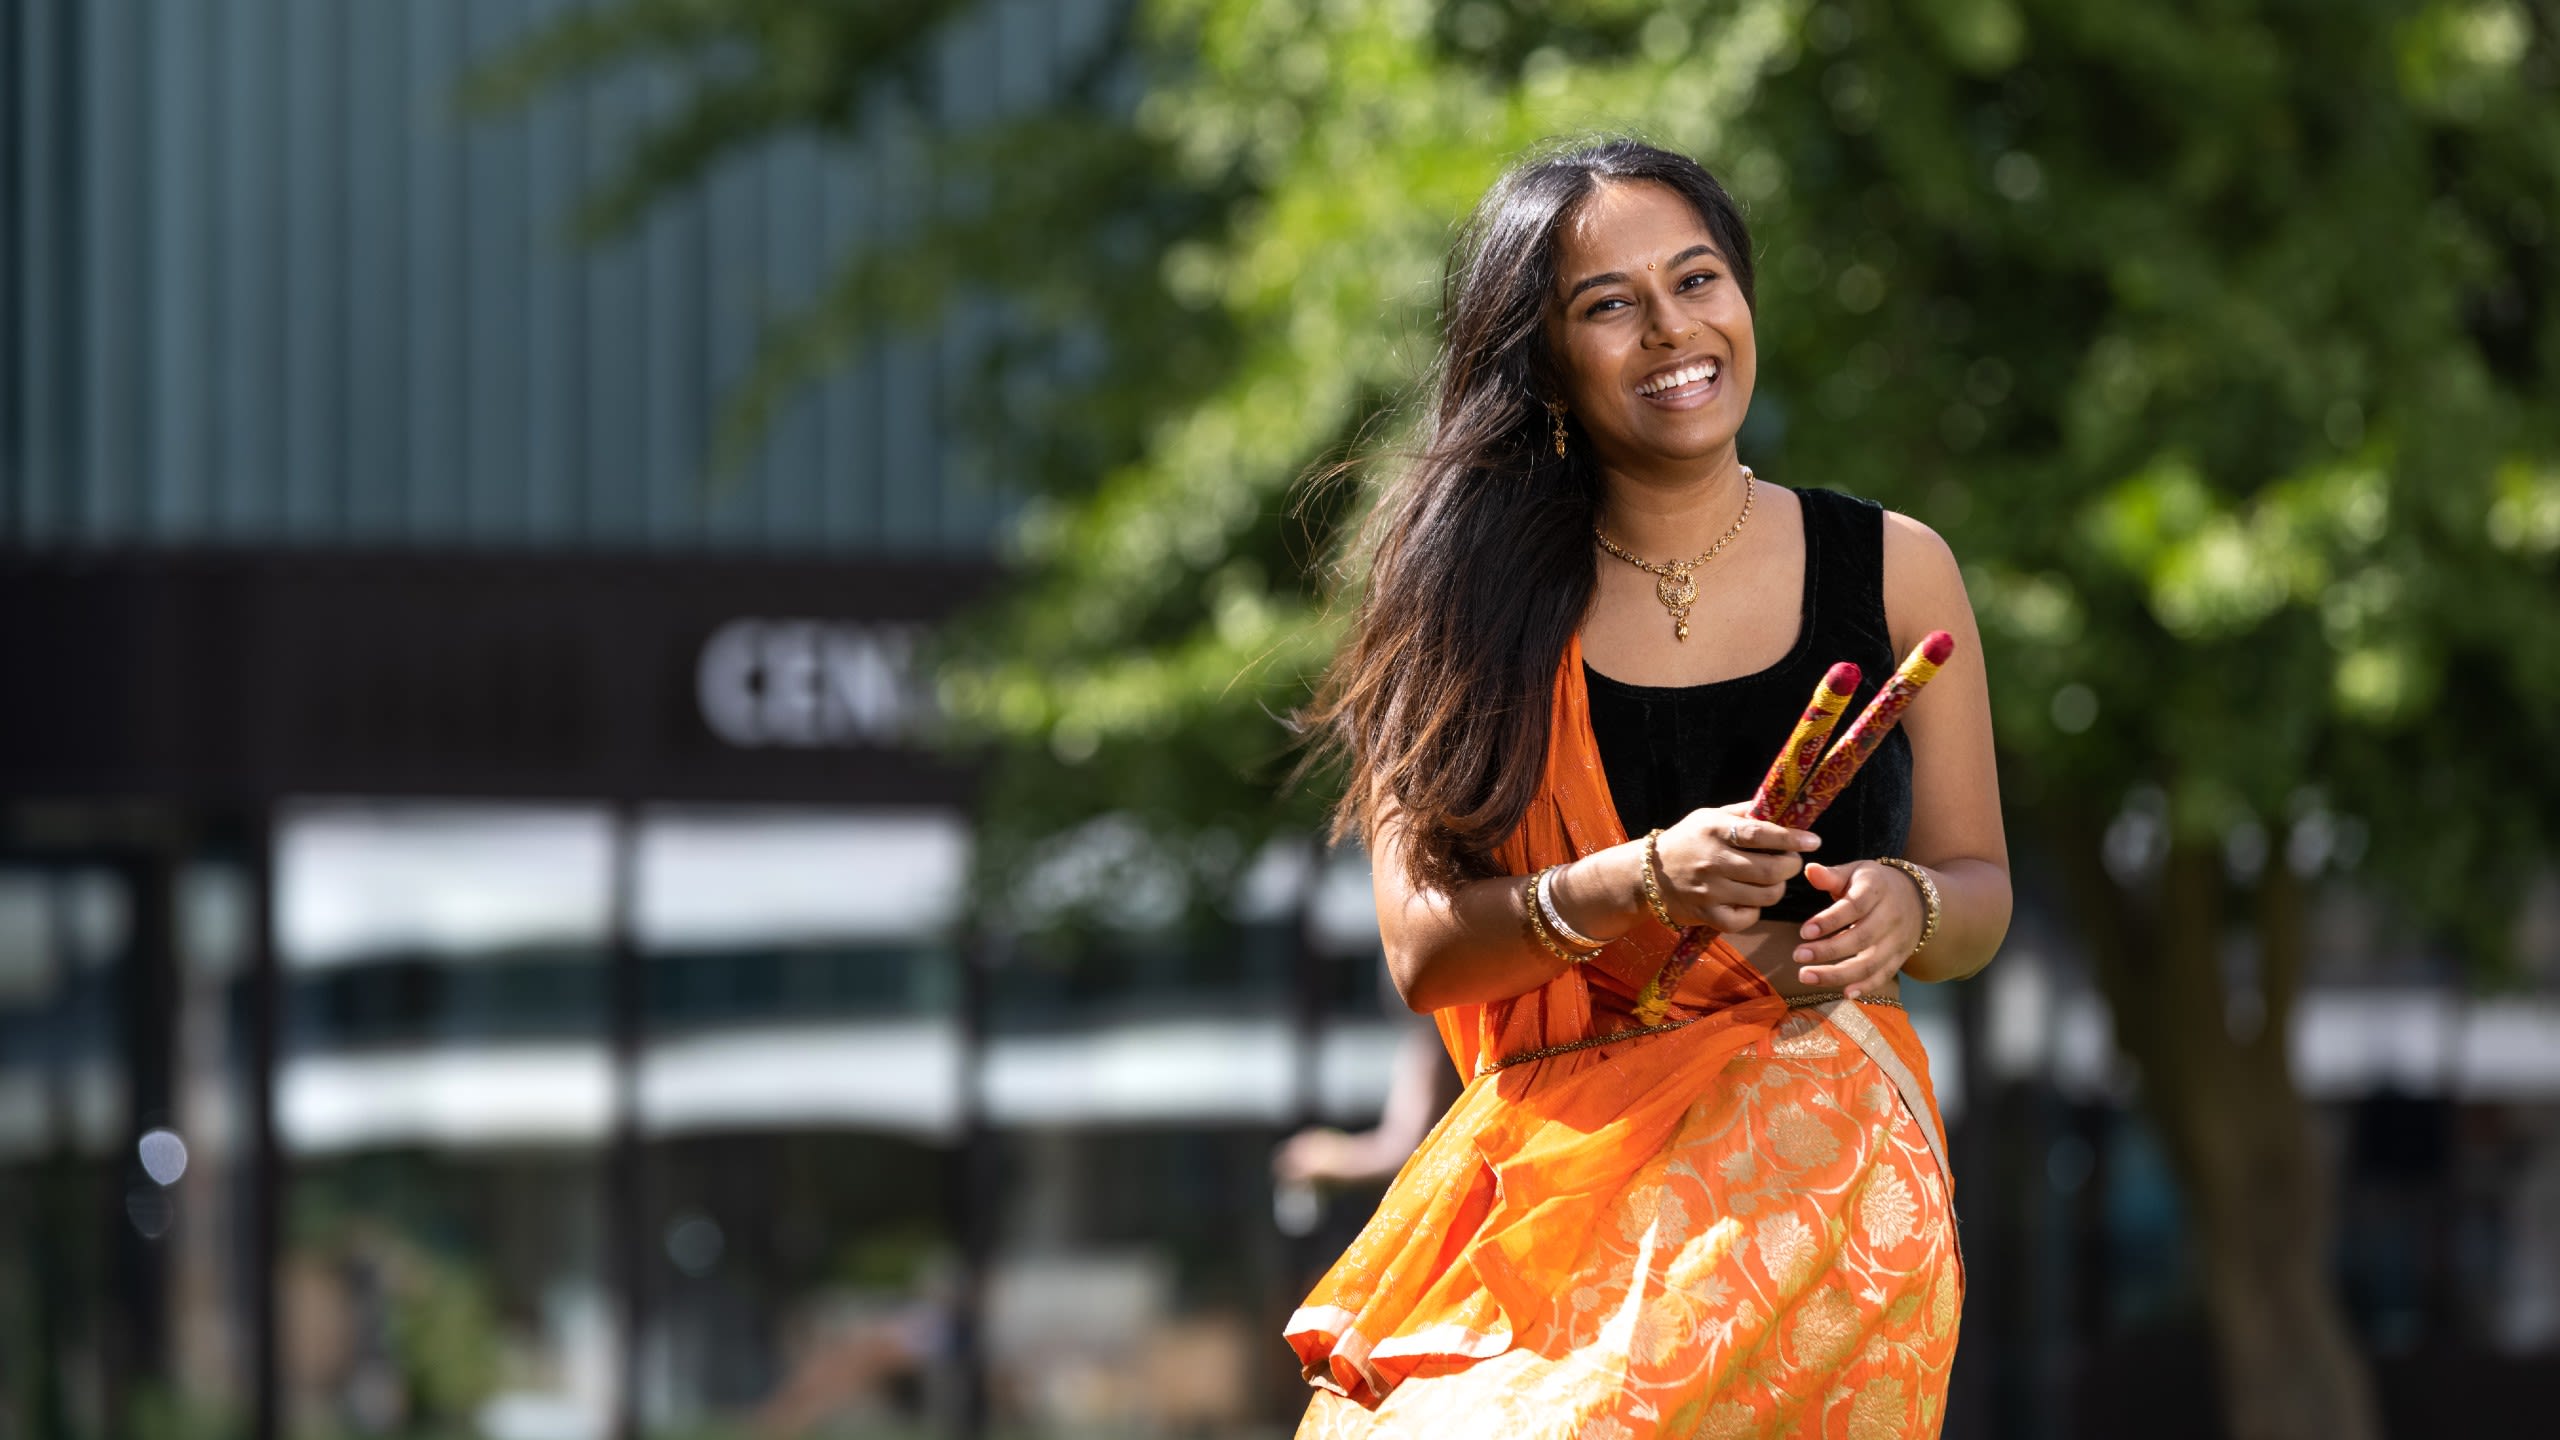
[1465, 1256]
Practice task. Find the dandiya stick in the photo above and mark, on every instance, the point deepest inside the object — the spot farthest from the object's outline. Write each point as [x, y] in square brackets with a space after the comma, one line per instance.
[1868, 730]
[1824, 785]
[1787, 775]
[1804, 747]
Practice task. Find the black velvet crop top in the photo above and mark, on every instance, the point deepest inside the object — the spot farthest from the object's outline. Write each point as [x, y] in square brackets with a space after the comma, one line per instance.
[1668, 750]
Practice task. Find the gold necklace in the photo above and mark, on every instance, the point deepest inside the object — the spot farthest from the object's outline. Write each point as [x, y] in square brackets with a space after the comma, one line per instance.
[1677, 586]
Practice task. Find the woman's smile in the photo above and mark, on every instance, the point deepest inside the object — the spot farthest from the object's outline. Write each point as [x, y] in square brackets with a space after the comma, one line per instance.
[1688, 385]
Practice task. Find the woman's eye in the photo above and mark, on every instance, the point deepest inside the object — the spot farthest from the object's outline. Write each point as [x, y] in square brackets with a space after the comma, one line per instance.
[1701, 277]
[1603, 305]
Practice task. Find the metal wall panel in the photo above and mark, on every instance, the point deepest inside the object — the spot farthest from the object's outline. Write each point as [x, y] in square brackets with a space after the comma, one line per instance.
[264, 285]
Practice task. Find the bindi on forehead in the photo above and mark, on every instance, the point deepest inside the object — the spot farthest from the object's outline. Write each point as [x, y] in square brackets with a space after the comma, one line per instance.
[1626, 227]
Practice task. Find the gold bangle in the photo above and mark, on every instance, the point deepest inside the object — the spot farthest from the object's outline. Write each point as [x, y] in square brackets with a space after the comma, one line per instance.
[1928, 897]
[1652, 882]
[1538, 924]
[1557, 925]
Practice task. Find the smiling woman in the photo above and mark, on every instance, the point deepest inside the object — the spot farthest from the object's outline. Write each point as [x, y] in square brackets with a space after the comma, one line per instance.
[1587, 628]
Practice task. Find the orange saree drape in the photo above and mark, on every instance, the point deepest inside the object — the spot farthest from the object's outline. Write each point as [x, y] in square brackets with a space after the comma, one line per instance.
[1741, 1227]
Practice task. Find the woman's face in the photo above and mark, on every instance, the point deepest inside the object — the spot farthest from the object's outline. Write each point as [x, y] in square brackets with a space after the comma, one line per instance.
[1644, 309]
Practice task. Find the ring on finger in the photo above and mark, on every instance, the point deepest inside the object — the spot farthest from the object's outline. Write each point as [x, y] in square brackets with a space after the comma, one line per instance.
[1733, 836]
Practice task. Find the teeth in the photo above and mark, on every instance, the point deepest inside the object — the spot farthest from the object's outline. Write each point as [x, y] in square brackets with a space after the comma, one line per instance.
[1685, 375]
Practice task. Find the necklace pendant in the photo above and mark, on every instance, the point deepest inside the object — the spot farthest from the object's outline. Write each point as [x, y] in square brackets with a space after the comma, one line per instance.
[1674, 584]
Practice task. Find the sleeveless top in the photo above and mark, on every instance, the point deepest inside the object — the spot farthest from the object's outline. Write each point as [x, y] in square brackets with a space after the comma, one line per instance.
[1669, 749]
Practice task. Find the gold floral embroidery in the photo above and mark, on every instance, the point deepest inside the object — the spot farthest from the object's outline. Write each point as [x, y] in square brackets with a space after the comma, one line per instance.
[1739, 1167]
[1729, 1420]
[1878, 1411]
[1713, 1292]
[1786, 1248]
[1800, 1137]
[1827, 1328]
[1803, 1035]
[1650, 1207]
[1942, 1298]
[1887, 1210]
[1663, 1328]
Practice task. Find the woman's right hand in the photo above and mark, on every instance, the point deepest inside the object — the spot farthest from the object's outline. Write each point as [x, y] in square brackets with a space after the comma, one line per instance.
[1720, 866]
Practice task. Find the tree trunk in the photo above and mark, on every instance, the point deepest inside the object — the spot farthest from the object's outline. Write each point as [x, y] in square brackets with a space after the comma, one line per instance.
[2237, 1132]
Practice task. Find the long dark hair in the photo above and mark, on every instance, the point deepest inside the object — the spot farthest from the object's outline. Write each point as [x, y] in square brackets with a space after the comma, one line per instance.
[1478, 554]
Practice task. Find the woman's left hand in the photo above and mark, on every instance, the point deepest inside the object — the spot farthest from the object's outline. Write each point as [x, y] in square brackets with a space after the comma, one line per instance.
[1862, 937]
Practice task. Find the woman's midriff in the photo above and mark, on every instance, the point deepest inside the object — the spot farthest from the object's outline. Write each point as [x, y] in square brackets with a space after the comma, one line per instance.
[1767, 948]
[1770, 947]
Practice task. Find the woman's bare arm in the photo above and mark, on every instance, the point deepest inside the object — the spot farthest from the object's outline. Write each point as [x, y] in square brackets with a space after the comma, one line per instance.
[1459, 947]
[1472, 944]
[1956, 831]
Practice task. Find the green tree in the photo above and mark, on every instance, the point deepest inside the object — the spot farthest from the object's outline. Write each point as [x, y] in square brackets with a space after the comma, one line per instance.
[2210, 334]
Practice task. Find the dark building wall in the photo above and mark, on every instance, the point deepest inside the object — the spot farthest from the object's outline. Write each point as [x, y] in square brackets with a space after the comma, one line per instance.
[238, 676]
[265, 284]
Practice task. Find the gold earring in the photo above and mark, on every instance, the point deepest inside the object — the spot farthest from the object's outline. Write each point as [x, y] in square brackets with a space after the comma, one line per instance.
[1555, 411]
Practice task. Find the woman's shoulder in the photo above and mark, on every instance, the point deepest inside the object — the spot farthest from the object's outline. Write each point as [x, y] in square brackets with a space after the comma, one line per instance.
[1913, 542]
[1922, 577]
[1901, 531]
[1827, 498]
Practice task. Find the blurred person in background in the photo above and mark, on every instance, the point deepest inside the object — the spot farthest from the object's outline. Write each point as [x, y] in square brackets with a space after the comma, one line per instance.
[1724, 1211]
[1417, 1096]
[1419, 1092]
[858, 1361]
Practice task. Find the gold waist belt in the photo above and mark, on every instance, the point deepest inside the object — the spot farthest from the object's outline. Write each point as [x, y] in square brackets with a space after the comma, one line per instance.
[1810, 997]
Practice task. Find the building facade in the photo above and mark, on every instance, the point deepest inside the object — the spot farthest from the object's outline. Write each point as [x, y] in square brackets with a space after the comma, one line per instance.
[482, 939]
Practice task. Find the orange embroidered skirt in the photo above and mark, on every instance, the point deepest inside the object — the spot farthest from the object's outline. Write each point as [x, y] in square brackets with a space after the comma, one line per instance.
[1741, 1227]
[1781, 1260]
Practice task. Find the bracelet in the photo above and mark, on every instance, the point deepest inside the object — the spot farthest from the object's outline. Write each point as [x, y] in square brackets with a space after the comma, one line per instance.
[1928, 897]
[1547, 910]
[1825, 997]
[1653, 881]
[1538, 924]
